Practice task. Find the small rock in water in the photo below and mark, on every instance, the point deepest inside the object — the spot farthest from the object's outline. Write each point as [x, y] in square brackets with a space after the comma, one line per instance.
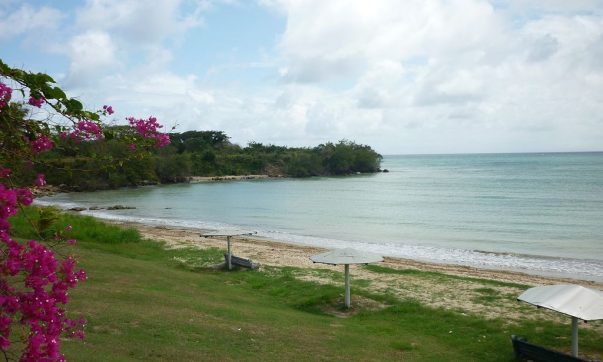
[77, 209]
[120, 207]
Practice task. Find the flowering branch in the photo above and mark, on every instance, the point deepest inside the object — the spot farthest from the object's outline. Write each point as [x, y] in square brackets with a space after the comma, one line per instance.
[34, 279]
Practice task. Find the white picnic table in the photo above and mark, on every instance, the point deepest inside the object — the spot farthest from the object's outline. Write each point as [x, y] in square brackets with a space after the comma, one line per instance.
[229, 233]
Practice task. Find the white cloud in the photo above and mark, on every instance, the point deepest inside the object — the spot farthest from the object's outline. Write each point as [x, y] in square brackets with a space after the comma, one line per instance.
[418, 76]
[145, 22]
[92, 54]
[339, 38]
[552, 6]
[127, 35]
[27, 19]
[448, 71]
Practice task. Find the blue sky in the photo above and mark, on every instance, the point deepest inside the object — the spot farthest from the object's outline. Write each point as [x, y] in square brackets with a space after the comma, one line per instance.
[428, 76]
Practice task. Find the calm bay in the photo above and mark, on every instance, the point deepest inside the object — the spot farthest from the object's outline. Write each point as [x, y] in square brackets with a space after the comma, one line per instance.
[538, 213]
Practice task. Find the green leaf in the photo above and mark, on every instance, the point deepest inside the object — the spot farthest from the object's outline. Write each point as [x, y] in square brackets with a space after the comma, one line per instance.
[31, 80]
[53, 93]
[18, 74]
[4, 69]
[92, 116]
[44, 78]
[45, 126]
[73, 105]
[109, 135]
[47, 217]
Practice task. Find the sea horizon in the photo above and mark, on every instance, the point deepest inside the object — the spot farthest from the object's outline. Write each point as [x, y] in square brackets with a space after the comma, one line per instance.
[486, 153]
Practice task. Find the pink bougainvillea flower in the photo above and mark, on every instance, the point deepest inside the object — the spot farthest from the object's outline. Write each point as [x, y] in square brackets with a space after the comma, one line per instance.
[40, 180]
[89, 129]
[147, 128]
[163, 139]
[5, 95]
[24, 196]
[4, 225]
[84, 130]
[108, 109]
[37, 102]
[5, 172]
[34, 280]
[8, 203]
[41, 144]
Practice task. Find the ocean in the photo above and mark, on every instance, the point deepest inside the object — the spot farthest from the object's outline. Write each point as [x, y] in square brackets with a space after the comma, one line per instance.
[537, 213]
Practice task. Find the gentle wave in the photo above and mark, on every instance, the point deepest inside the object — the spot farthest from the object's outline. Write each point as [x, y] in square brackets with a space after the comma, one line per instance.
[582, 269]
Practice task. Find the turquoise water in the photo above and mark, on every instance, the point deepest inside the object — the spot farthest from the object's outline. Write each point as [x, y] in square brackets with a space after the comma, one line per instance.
[540, 213]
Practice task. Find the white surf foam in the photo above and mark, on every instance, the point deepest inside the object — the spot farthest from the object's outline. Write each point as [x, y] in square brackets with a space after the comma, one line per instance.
[548, 266]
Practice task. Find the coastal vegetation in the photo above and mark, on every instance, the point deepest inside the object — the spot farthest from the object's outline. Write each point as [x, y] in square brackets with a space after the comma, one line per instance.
[146, 302]
[200, 153]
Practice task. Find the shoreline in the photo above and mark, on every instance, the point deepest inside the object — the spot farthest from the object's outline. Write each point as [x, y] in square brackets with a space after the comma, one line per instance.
[284, 253]
[203, 179]
[548, 267]
[51, 190]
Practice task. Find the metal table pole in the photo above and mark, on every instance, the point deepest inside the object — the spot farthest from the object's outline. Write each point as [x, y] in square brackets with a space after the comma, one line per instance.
[574, 336]
[229, 253]
[347, 285]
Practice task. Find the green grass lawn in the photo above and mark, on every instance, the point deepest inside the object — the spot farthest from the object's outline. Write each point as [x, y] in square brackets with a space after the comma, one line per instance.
[145, 303]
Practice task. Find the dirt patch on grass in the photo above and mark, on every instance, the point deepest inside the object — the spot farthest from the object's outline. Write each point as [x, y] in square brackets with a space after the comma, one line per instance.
[359, 304]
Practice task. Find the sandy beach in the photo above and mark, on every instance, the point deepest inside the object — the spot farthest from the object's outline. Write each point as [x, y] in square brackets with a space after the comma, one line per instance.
[202, 179]
[458, 288]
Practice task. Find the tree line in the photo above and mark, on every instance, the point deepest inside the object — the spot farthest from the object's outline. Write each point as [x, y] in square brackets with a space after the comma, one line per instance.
[198, 153]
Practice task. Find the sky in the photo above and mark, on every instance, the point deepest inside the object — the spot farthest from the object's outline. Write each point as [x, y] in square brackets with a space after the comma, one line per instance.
[405, 77]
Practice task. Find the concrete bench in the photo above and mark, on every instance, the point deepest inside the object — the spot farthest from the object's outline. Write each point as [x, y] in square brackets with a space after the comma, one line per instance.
[530, 352]
[246, 263]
